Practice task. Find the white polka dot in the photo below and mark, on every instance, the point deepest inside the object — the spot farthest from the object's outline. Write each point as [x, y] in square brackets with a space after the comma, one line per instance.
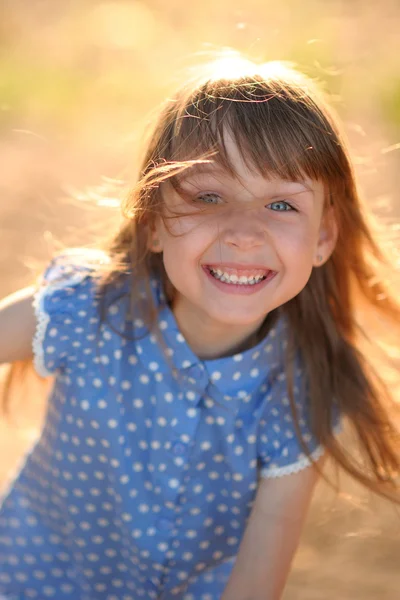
[219, 458]
[191, 533]
[187, 556]
[162, 546]
[137, 533]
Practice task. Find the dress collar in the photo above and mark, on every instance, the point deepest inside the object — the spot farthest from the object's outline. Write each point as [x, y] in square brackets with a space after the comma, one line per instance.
[230, 379]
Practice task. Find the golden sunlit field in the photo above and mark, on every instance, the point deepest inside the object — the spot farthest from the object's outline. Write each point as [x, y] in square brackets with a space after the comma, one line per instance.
[80, 80]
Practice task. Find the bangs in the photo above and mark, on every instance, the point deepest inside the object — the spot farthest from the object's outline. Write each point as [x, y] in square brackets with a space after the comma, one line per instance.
[278, 129]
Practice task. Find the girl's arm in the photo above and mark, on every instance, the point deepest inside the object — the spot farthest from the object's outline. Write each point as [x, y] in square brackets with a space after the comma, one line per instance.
[17, 326]
[271, 537]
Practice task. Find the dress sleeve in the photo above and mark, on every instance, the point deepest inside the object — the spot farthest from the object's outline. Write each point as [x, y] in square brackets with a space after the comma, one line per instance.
[281, 451]
[63, 301]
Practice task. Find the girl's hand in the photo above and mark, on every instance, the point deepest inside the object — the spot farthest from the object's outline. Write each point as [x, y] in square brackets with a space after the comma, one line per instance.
[271, 537]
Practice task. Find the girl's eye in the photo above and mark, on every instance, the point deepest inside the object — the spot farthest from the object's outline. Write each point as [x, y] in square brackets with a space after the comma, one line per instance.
[280, 206]
[208, 198]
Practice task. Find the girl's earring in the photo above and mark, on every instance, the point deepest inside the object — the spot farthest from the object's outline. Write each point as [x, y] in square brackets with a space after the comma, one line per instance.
[155, 244]
[319, 257]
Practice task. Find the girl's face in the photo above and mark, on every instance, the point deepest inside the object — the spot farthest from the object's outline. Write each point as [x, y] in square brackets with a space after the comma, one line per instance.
[250, 251]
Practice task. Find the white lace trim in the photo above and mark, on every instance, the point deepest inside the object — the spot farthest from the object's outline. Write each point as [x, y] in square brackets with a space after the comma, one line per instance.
[301, 464]
[43, 319]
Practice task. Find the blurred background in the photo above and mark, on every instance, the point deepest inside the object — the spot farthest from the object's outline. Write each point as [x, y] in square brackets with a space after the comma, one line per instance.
[79, 82]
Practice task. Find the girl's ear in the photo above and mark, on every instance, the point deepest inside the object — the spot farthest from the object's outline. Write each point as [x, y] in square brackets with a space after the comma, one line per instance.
[327, 239]
[154, 242]
[155, 245]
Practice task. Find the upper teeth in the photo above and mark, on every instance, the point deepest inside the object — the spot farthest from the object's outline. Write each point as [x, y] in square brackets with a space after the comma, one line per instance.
[241, 280]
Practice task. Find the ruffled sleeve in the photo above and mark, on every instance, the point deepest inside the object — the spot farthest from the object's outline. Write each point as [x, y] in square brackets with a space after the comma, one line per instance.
[281, 451]
[64, 303]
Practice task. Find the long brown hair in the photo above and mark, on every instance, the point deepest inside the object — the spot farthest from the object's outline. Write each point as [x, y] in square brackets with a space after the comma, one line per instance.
[283, 127]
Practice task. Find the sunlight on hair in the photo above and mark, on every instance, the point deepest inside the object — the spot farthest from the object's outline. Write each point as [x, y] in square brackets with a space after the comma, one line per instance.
[230, 64]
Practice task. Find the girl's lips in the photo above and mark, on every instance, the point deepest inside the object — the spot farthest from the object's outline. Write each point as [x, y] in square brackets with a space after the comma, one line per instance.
[241, 289]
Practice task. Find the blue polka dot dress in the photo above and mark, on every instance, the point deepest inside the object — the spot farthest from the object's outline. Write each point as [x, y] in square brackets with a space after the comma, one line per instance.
[144, 476]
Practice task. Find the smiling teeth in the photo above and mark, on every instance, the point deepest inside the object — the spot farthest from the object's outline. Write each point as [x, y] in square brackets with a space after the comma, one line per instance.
[242, 280]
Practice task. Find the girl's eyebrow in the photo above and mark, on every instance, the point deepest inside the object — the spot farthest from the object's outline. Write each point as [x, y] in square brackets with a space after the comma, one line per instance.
[202, 169]
[215, 169]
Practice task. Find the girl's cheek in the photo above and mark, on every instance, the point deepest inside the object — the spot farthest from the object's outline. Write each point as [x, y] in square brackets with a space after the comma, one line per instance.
[298, 242]
[289, 229]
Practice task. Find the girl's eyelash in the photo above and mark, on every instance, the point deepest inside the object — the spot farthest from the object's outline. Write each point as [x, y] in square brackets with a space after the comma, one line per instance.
[205, 195]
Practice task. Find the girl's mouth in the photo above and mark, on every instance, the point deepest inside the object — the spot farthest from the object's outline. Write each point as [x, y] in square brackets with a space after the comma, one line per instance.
[239, 281]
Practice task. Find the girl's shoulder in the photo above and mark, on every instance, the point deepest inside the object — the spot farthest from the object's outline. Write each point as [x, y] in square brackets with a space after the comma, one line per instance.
[71, 266]
[66, 303]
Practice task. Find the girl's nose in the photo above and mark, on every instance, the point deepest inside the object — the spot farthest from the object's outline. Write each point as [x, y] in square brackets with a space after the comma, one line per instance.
[243, 230]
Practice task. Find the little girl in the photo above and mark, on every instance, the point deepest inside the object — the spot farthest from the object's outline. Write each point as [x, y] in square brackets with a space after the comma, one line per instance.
[203, 361]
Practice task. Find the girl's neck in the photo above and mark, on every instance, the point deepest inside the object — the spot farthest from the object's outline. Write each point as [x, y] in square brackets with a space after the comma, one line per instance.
[209, 340]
